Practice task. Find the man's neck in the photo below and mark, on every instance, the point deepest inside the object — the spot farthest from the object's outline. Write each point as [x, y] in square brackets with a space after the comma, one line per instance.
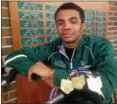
[70, 45]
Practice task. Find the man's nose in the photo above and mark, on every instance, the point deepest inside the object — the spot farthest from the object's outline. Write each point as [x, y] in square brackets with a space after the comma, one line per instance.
[67, 26]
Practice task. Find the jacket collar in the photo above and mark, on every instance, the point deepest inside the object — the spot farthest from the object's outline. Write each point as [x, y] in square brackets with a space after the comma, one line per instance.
[62, 51]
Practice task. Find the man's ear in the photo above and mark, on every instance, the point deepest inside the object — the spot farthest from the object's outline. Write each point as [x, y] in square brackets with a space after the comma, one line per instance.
[83, 27]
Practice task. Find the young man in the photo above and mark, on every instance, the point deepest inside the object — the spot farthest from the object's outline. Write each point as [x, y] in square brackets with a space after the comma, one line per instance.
[90, 56]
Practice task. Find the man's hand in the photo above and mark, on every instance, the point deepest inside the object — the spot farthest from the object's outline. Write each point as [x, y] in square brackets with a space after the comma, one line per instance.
[49, 81]
[42, 70]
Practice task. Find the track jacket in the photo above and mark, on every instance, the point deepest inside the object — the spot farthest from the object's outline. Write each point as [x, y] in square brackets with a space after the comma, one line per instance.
[92, 52]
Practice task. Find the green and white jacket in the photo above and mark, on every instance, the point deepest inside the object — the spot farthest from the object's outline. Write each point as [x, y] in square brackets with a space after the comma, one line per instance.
[93, 52]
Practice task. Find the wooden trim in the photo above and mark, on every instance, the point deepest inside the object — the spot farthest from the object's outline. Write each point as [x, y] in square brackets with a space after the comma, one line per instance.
[45, 35]
[15, 25]
[2, 95]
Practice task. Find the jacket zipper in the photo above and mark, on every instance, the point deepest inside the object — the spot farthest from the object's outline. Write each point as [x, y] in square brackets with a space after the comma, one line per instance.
[71, 64]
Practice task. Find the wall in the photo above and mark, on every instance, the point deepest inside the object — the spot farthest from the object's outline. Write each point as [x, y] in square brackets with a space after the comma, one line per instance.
[9, 92]
[112, 24]
[112, 31]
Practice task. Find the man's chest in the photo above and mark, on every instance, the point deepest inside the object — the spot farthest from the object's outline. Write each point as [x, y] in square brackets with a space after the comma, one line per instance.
[81, 61]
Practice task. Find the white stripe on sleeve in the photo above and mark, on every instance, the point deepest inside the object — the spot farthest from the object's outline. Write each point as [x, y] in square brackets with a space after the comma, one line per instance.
[13, 58]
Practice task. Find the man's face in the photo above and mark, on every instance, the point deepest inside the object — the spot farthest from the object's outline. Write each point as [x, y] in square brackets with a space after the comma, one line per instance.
[69, 25]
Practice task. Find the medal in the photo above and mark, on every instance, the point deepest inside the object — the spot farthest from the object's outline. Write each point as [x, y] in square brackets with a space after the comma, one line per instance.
[78, 82]
[66, 86]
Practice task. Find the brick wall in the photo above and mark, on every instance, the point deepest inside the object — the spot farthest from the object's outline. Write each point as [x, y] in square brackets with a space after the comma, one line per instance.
[112, 31]
[112, 24]
[8, 92]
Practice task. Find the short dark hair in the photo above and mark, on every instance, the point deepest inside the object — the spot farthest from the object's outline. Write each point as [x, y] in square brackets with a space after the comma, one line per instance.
[71, 6]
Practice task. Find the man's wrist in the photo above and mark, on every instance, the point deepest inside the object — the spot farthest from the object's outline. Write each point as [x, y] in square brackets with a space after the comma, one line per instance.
[52, 73]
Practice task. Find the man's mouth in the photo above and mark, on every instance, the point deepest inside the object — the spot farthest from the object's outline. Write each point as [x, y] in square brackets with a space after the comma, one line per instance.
[67, 35]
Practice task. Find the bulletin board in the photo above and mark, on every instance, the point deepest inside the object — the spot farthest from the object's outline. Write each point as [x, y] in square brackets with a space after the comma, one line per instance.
[33, 22]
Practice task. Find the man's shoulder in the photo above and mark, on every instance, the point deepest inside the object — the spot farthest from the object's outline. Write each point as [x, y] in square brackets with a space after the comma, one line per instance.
[95, 39]
[97, 44]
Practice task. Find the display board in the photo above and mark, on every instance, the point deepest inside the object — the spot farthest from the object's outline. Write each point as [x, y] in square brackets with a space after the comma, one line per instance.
[33, 24]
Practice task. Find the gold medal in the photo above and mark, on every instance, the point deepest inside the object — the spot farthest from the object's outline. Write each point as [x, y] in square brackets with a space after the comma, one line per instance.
[78, 82]
[66, 86]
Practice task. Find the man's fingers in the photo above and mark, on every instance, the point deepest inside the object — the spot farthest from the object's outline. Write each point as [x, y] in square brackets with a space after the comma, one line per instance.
[29, 76]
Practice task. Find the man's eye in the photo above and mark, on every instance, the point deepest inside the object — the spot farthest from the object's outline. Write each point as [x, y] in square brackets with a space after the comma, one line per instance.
[74, 21]
[60, 23]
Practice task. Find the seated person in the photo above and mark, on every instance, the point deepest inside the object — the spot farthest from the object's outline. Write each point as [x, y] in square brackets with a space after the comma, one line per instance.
[71, 51]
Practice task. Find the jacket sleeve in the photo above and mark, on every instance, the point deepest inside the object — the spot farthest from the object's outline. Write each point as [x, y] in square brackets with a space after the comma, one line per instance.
[23, 59]
[105, 66]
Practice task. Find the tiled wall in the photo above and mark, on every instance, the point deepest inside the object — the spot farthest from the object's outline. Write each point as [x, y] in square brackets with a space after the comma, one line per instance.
[8, 92]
